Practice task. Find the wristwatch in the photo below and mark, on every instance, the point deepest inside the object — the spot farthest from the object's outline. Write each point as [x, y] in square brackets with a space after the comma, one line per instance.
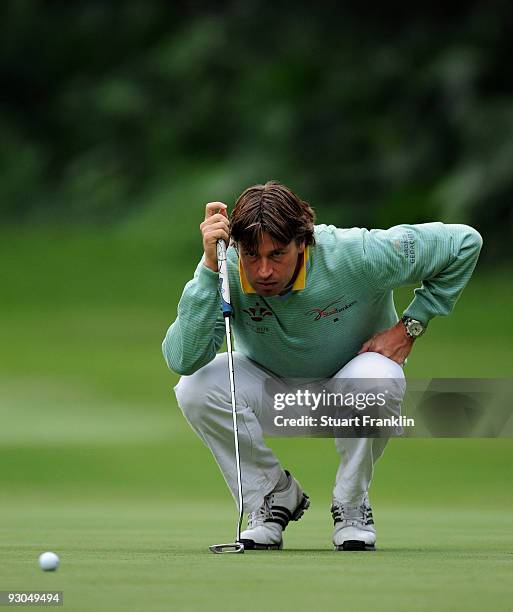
[414, 328]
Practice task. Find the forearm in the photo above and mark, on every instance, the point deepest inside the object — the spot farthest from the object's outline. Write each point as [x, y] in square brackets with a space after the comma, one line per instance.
[196, 335]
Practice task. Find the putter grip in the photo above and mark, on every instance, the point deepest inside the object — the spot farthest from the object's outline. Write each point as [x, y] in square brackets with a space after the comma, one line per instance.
[224, 288]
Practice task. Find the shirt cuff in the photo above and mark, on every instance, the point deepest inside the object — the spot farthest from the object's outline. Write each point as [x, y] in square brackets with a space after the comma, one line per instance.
[416, 311]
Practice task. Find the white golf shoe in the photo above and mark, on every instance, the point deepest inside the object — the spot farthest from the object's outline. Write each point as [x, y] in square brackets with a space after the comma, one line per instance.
[266, 525]
[354, 526]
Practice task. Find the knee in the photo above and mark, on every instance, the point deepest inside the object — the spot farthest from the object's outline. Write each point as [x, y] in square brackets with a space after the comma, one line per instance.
[189, 396]
[195, 392]
[373, 365]
[371, 372]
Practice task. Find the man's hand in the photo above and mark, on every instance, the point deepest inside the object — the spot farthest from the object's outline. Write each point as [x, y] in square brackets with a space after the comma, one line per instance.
[394, 343]
[215, 226]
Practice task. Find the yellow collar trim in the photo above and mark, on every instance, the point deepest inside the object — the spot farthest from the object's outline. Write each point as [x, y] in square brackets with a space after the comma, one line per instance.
[299, 283]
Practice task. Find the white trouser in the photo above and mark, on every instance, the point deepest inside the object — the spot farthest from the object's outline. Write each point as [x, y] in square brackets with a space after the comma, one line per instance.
[204, 398]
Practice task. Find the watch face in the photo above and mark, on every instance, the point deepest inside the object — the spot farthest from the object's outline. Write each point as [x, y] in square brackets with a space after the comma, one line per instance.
[415, 329]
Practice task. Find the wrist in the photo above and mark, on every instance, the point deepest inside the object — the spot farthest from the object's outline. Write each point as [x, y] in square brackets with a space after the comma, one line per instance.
[211, 265]
[414, 328]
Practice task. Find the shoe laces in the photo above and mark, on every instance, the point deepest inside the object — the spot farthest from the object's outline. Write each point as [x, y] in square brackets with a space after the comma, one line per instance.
[259, 516]
[350, 514]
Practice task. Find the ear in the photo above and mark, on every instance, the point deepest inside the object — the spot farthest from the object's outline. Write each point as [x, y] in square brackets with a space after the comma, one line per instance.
[301, 247]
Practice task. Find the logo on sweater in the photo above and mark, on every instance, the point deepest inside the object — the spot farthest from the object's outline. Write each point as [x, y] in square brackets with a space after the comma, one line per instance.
[330, 310]
[258, 312]
[406, 246]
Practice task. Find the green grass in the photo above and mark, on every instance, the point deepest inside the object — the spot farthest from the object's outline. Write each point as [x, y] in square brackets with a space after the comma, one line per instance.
[150, 554]
[99, 465]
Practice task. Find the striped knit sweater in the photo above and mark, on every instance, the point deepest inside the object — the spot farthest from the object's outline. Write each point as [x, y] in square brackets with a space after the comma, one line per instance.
[348, 297]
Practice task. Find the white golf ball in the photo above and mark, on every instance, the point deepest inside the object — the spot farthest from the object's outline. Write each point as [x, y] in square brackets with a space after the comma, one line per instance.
[48, 561]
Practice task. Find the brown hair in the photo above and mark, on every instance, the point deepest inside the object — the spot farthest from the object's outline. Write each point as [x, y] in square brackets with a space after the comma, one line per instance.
[271, 208]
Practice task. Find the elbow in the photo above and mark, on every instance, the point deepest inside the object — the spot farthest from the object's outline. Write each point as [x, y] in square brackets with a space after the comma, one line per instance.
[171, 361]
[473, 239]
[182, 369]
[175, 363]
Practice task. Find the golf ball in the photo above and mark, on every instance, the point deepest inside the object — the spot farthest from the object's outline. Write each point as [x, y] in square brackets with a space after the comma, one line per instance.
[48, 561]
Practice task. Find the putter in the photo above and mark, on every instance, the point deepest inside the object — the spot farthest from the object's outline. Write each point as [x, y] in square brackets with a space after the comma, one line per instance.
[226, 307]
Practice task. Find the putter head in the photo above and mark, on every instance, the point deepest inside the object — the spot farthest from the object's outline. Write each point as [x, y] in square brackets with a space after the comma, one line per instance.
[235, 547]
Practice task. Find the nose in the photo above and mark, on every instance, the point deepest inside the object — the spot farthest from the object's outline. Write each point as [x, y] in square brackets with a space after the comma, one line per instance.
[265, 269]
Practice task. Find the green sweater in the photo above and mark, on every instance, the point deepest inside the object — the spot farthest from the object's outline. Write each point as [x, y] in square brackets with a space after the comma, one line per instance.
[348, 297]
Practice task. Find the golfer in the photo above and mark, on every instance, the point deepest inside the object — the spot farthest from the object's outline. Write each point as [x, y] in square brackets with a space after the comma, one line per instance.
[312, 302]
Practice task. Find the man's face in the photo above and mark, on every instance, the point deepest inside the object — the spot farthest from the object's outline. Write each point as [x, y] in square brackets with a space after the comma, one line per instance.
[271, 269]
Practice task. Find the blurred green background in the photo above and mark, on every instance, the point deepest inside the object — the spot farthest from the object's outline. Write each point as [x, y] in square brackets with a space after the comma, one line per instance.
[118, 122]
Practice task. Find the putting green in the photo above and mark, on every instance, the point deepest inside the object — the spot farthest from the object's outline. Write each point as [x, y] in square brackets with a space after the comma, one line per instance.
[118, 553]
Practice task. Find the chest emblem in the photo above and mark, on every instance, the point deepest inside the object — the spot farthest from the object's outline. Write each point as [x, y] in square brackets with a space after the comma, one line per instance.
[330, 310]
[258, 312]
